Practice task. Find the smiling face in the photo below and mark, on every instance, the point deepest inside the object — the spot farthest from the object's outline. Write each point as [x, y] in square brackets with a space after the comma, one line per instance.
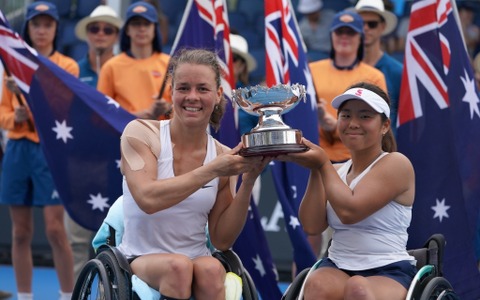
[195, 93]
[360, 126]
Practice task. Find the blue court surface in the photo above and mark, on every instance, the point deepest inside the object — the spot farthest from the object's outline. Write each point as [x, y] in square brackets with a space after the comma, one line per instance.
[45, 282]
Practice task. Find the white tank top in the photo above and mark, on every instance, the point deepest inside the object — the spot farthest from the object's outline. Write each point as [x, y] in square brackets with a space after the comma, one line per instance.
[378, 240]
[178, 229]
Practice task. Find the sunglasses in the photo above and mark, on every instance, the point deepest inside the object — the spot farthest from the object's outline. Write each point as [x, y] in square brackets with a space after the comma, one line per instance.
[237, 57]
[96, 29]
[371, 24]
[345, 30]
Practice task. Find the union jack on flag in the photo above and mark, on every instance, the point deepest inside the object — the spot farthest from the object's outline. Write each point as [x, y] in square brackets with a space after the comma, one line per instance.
[439, 131]
[287, 63]
[79, 129]
[205, 25]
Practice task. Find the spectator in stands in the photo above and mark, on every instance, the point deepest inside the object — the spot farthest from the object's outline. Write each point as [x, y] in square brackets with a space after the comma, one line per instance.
[137, 77]
[331, 77]
[379, 22]
[314, 26]
[100, 30]
[471, 32]
[26, 180]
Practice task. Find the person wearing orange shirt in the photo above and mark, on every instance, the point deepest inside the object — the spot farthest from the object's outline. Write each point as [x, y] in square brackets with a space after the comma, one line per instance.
[136, 78]
[26, 181]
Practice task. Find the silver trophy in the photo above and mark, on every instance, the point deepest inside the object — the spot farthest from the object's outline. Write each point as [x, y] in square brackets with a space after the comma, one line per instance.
[271, 136]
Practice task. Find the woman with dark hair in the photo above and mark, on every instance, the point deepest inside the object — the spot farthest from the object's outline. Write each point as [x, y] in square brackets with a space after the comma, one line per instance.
[367, 201]
[26, 180]
[136, 78]
[178, 178]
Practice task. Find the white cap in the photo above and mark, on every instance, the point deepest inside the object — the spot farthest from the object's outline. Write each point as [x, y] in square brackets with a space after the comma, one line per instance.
[240, 47]
[374, 100]
[309, 6]
[101, 13]
[377, 6]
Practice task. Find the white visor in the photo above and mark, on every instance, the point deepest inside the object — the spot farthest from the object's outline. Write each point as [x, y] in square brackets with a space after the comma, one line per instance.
[369, 97]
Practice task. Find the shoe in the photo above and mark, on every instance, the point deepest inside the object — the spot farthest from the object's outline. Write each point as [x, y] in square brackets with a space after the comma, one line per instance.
[5, 295]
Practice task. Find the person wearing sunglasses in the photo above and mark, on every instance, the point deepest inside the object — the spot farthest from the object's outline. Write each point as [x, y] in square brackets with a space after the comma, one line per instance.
[137, 77]
[332, 76]
[378, 23]
[26, 180]
[100, 31]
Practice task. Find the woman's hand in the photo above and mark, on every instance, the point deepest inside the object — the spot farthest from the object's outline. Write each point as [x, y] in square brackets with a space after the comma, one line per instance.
[313, 158]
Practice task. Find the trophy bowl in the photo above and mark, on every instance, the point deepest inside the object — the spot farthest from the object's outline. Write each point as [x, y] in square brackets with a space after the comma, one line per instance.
[271, 136]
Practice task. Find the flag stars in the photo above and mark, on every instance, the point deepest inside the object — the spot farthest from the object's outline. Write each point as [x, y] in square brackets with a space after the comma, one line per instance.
[98, 202]
[294, 222]
[259, 265]
[112, 102]
[470, 96]
[440, 209]
[63, 131]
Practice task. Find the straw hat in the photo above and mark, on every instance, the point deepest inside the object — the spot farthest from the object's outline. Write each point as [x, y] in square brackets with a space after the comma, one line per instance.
[309, 6]
[239, 46]
[377, 6]
[101, 13]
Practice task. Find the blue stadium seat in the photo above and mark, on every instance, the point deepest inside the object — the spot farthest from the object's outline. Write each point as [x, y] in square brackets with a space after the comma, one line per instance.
[63, 6]
[77, 51]
[251, 8]
[173, 8]
[258, 75]
[314, 55]
[84, 8]
[254, 39]
[238, 20]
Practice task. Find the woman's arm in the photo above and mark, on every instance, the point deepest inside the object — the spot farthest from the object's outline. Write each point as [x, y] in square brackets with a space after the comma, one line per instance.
[391, 178]
[228, 216]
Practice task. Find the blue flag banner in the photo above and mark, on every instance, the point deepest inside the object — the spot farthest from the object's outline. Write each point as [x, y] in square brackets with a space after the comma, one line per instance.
[439, 130]
[287, 64]
[79, 130]
[205, 25]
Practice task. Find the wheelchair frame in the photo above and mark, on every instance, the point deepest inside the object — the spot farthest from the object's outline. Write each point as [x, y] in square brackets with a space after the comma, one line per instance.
[428, 283]
[108, 275]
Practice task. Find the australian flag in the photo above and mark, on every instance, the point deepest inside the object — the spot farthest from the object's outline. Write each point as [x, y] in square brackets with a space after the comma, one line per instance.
[439, 130]
[79, 129]
[287, 63]
[205, 25]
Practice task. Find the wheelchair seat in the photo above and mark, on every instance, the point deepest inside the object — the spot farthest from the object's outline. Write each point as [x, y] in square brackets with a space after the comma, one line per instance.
[428, 282]
[108, 275]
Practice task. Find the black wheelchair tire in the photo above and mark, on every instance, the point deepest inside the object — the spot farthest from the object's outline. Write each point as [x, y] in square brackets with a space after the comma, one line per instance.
[435, 289]
[249, 292]
[294, 288]
[118, 278]
[93, 269]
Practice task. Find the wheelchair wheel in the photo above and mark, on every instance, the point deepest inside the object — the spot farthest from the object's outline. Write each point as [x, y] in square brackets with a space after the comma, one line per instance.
[118, 278]
[294, 288]
[92, 282]
[249, 291]
[438, 289]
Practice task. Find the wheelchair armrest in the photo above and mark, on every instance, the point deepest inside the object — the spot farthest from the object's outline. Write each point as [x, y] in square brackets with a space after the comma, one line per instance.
[436, 245]
[230, 261]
